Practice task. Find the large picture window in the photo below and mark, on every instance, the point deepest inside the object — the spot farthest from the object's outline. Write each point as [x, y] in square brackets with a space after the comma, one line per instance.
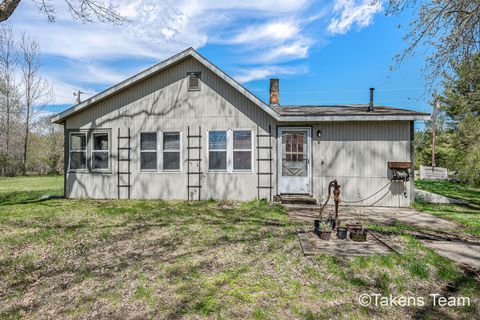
[100, 151]
[242, 150]
[217, 150]
[148, 151]
[78, 151]
[171, 151]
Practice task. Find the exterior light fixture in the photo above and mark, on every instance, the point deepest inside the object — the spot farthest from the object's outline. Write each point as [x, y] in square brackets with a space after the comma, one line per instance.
[319, 133]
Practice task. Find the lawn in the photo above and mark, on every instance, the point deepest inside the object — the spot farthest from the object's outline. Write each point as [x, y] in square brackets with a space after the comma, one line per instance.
[168, 260]
[467, 215]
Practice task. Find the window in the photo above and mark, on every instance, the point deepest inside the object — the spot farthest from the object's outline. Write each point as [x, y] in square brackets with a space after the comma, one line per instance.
[100, 151]
[242, 150]
[193, 81]
[148, 151]
[217, 150]
[78, 151]
[171, 151]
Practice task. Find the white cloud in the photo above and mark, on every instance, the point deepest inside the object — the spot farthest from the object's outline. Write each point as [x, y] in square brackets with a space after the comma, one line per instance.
[292, 51]
[261, 33]
[272, 31]
[353, 12]
[251, 74]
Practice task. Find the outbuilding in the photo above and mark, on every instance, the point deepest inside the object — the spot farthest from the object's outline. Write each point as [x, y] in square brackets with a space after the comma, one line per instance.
[184, 129]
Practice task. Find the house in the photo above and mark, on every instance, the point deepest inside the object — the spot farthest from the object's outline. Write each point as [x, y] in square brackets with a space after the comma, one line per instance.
[183, 129]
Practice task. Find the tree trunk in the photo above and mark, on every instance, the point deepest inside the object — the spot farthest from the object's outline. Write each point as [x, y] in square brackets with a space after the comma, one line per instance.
[25, 146]
[7, 7]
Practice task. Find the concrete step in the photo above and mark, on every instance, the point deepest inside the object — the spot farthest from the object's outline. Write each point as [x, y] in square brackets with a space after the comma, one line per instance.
[297, 199]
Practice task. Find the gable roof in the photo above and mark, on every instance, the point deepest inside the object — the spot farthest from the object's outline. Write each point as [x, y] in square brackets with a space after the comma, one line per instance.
[337, 113]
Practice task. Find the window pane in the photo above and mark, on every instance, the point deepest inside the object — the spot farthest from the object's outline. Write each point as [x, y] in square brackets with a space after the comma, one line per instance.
[148, 160]
[217, 140]
[148, 141]
[100, 160]
[78, 141]
[171, 161]
[78, 160]
[242, 160]
[217, 160]
[100, 141]
[171, 141]
[242, 139]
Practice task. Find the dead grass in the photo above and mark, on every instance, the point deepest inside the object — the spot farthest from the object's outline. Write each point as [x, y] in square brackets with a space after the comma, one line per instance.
[170, 260]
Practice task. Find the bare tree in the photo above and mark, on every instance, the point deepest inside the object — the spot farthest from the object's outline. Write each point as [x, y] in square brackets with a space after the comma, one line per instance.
[83, 10]
[37, 91]
[8, 66]
[449, 31]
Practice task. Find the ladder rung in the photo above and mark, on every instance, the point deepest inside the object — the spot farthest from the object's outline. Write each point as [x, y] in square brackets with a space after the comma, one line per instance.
[264, 159]
[124, 137]
[195, 172]
[123, 148]
[197, 136]
[194, 147]
[264, 147]
[194, 159]
[264, 187]
[194, 186]
[264, 173]
[124, 173]
[124, 159]
[263, 135]
[124, 186]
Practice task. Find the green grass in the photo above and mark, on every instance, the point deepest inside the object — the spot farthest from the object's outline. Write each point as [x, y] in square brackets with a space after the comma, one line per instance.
[466, 215]
[455, 190]
[174, 259]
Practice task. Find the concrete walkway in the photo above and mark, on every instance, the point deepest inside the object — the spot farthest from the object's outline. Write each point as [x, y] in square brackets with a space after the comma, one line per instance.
[464, 253]
[385, 216]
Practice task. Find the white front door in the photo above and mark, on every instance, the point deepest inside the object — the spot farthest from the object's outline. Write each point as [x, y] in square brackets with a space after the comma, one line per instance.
[294, 167]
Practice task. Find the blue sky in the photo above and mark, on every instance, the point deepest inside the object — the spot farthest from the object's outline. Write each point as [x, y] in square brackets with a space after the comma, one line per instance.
[324, 52]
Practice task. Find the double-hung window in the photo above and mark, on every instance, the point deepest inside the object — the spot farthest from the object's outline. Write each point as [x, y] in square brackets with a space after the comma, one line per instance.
[78, 151]
[217, 150]
[100, 151]
[242, 150]
[148, 151]
[230, 150]
[171, 151]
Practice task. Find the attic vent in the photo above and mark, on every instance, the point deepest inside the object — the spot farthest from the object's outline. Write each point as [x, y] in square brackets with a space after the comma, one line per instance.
[193, 81]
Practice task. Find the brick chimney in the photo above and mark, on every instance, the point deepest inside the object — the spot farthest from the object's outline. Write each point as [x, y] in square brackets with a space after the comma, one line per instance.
[274, 92]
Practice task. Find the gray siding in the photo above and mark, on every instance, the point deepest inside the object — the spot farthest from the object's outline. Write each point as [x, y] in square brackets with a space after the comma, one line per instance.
[164, 103]
[354, 153]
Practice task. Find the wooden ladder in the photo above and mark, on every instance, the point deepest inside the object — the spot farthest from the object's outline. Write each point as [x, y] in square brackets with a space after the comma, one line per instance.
[128, 159]
[194, 159]
[260, 160]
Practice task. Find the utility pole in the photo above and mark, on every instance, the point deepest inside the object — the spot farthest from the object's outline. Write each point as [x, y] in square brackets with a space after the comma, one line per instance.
[77, 94]
[434, 127]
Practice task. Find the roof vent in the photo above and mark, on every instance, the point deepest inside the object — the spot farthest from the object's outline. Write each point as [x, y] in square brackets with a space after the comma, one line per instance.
[274, 92]
[193, 81]
[370, 105]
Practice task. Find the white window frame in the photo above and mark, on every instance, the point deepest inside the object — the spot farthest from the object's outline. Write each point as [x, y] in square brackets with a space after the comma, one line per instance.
[180, 151]
[140, 152]
[92, 151]
[219, 150]
[70, 151]
[251, 151]
[229, 150]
